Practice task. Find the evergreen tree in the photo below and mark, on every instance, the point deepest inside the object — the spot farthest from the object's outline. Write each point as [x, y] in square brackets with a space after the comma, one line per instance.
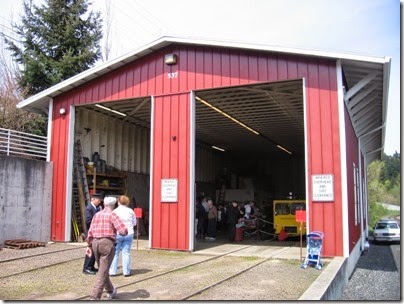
[391, 171]
[58, 40]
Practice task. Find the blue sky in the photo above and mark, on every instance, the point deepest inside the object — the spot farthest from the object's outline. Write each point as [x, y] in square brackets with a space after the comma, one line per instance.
[365, 27]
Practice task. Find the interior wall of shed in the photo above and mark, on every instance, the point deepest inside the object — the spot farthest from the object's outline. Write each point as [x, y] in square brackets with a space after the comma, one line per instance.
[123, 146]
[268, 178]
[126, 147]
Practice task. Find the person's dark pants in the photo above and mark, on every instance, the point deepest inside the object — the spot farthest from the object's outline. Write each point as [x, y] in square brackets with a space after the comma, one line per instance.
[212, 228]
[200, 231]
[232, 232]
[89, 262]
[104, 251]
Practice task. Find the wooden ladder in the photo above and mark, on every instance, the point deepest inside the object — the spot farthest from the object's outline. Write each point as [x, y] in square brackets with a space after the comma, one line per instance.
[78, 221]
[81, 194]
[81, 170]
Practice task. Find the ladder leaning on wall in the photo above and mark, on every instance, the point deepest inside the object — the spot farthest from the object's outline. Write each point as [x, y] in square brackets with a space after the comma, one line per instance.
[81, 194]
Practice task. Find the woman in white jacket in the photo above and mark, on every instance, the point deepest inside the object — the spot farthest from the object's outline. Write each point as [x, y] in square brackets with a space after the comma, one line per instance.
[124, 243]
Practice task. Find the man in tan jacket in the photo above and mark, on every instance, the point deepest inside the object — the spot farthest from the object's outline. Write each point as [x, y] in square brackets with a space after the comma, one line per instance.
[212, 221]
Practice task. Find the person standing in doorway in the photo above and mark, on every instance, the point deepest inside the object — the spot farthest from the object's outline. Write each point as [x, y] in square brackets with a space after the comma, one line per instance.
[124, 243]
[205, 219]
[233, 215]
[91, 209]
[200, 216]
[101, 241]
[212, 221]
[249, 210]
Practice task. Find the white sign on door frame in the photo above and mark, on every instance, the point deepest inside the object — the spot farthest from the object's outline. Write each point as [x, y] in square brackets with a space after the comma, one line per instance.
[323, 187]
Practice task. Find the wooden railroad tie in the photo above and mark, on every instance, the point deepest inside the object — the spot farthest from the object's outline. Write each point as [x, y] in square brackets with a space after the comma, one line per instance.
[22, 244]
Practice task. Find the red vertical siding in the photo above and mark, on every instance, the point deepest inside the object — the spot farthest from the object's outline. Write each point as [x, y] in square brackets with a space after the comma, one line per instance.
[171, 160]
[207, 69]
[217, 69]
[59, 153]
[204, 68]
[336, 211]
[351, 158]
[225, 68]
[316, 214]
[323, 150]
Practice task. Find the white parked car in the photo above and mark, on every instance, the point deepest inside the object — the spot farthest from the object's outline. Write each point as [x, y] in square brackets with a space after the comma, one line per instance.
[387, 230]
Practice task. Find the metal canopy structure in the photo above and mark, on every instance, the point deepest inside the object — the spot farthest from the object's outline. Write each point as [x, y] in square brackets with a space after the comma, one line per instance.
[274, 110]
[366, 85]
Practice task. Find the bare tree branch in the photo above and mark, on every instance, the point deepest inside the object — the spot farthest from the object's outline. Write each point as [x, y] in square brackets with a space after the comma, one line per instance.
[107, 32]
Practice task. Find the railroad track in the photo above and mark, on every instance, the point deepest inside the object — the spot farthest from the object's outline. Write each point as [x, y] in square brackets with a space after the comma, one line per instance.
[174, 281]
[30, 262]
[41, 254]
[149, 280]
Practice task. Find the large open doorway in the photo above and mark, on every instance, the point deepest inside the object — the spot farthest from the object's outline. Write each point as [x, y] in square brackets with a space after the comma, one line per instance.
[249, 142]
[115, 144]
[250, 146]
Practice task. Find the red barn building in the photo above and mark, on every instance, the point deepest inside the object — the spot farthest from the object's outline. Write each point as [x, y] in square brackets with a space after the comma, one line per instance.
[290, 120]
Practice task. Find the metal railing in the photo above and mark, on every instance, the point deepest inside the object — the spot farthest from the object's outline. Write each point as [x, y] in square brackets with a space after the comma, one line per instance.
[23, 144]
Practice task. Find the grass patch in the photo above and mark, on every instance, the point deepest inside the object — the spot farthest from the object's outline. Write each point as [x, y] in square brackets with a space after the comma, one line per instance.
[250, 258]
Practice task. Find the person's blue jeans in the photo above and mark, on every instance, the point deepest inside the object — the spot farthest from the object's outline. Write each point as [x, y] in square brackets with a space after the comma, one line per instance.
[123, 243]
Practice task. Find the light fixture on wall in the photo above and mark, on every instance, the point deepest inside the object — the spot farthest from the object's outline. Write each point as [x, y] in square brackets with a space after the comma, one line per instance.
[170, 59]
[110, 110]
[62, 111]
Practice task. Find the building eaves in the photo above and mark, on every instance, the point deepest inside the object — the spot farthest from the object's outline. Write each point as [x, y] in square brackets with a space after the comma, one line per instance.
[39, 102]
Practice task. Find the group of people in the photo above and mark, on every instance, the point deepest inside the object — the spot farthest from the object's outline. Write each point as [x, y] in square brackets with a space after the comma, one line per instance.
[211, 218]
[109, 231]
[207, 216]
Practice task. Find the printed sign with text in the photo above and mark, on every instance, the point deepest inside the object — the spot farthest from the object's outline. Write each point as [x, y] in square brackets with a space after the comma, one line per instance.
[323, 187]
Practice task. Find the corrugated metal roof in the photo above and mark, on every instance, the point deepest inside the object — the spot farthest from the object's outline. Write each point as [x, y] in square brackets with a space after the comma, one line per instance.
[366, 81]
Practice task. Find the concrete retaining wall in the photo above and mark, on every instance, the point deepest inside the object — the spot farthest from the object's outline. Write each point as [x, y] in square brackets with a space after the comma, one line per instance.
[25, 199]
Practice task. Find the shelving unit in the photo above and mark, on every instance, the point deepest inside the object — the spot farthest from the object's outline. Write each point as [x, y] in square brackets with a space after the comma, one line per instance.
[109, 183]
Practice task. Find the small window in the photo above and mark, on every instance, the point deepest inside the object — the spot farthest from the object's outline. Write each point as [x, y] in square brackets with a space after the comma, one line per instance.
[282, 209]
[297, 206]
[381, 226]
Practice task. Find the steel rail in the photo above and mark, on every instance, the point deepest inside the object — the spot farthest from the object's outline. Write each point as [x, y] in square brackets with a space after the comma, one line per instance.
[226, 278]
[167, 272]
[41, 267]
[40, 254]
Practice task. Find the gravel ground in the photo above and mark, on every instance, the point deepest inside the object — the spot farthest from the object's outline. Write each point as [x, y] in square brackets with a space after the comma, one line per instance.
[377, 275]
[275, 279]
